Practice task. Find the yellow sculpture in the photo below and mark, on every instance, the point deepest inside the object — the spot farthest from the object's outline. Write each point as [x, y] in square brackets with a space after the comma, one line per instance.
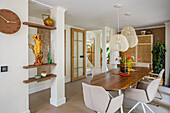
[37, 49]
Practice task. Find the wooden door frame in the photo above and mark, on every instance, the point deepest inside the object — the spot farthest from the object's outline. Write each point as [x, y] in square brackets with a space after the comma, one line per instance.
[72, 53]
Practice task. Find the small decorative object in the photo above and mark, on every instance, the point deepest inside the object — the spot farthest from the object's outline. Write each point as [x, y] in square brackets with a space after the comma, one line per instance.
[37, 76]
[143, 32]
[158, 57]
[48, 21]
[9, 22]
[125, 63]
[148, 32]
[37, 49]
[51, 62]
[125, 75]
[43, 74]
[48, 56]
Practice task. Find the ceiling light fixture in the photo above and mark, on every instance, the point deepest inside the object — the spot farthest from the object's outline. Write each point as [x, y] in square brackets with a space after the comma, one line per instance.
[118, 42]
[130, 34]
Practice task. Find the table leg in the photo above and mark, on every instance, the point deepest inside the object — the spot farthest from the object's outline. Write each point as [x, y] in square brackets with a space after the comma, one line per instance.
[121, 108]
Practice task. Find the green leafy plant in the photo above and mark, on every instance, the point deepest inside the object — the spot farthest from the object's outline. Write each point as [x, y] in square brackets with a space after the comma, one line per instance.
[158, 57]
[108, 56]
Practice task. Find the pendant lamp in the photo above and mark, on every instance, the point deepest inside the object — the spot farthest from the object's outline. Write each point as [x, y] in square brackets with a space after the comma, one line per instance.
[118, 42]
[130, 34]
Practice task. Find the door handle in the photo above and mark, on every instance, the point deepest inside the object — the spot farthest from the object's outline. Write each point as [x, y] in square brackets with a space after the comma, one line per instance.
[81, 56]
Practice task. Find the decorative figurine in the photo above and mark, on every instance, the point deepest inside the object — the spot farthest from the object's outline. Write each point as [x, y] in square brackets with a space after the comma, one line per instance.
[37, 49]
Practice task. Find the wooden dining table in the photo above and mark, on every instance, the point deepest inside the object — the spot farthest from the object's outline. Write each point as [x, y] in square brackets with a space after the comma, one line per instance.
[112, 81]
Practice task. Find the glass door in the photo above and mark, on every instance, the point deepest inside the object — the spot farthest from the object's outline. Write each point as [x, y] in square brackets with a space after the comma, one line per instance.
[78, 54]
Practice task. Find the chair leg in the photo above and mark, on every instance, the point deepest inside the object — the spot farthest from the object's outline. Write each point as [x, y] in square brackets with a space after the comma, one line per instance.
[148, 107]
[143, 108]
[134, 107]
[160, 94]
[109, 94]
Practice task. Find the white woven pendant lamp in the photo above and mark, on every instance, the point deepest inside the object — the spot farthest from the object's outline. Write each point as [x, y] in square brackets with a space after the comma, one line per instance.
[118, 42]
[130, 34]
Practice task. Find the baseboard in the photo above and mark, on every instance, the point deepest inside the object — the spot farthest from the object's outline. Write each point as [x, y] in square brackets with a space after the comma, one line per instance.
[58, 102]
[28, 111]
[40, 88]
[67, 80]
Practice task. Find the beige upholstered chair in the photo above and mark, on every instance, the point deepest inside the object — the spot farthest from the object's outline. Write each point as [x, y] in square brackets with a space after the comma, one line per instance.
[97, 99]
[144, 93]
[148, 79]
[157, 75]
[96, 71]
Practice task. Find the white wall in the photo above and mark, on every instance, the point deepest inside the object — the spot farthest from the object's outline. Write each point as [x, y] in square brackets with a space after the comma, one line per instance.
[167, 57]
[68, 54]
[14, 54]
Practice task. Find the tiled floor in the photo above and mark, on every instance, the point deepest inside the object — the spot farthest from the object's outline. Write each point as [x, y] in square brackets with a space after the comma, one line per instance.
[39, 102]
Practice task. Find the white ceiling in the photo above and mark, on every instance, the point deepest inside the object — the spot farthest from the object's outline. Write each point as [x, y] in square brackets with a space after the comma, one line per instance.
[36, 10]
[95, 14]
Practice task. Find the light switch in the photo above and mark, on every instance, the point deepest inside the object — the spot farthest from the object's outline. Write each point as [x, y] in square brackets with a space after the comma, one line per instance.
[4, 68]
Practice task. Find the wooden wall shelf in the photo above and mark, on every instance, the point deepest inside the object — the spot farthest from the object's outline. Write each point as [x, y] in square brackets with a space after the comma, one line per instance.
[35, 66]
[49, 76]
[30, 24]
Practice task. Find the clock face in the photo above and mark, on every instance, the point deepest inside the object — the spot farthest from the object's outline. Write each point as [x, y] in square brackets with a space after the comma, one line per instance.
[9, 22]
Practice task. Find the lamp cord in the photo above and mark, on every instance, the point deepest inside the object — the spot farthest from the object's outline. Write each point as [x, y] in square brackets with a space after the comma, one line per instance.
[118, 20]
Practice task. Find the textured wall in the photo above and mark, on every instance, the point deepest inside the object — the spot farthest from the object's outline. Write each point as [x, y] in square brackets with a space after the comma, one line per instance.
[46, 40]
[158, 34]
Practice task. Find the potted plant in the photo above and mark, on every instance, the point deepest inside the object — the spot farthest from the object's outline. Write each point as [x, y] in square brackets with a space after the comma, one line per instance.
[158, 57]
[108, 55]
[125, 62]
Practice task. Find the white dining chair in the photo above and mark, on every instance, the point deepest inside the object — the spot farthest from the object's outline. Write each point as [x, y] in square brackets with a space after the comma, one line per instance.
[143, 93]
[97, 99]
[96, 71]
[148, 79]
[140, 64]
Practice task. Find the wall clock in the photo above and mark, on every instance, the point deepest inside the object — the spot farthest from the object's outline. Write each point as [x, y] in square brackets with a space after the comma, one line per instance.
[9, 22]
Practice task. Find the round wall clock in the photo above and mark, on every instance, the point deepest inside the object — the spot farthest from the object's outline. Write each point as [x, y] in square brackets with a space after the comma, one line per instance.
[9, 22]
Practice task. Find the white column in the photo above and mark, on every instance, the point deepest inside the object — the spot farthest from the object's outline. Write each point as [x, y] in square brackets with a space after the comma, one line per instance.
[114, 54]
[104, 59]
[57, 47]
[167, 55]
[97, 49]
